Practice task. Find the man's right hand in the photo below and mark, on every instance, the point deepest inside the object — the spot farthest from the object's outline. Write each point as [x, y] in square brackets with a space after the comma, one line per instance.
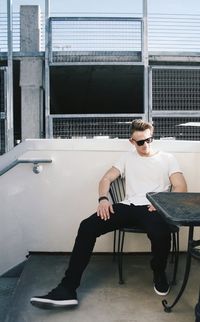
[105, 209]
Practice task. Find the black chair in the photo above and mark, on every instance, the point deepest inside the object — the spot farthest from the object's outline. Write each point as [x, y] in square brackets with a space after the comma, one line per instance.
[117, 194]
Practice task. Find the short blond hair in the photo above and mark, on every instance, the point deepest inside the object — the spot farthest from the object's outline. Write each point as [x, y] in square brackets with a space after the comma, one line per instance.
[140, 125]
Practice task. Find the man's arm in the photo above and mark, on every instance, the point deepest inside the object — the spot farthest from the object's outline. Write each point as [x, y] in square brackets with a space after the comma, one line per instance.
[178, 185]
[178, 182]
[105, 207]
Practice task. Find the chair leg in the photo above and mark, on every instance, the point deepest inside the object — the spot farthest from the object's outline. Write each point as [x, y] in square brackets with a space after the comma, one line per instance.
[176, 256]
[120, 255]
[174, 246]
[114, 245]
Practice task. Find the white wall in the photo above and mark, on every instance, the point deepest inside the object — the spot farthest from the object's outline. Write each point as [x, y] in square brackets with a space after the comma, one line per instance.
[41, 212]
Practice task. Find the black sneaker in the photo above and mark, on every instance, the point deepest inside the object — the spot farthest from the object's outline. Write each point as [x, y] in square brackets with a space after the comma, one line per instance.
[161, 286]
[58, 297]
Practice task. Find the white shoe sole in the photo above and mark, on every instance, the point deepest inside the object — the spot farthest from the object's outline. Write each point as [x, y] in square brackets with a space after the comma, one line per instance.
[52, 303]
[161, 293]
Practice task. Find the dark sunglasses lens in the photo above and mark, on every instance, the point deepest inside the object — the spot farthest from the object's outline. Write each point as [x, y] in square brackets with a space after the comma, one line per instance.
[149, 140]
[141, 142]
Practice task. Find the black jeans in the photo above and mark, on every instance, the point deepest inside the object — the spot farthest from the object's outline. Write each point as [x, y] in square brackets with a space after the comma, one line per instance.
[124, 216]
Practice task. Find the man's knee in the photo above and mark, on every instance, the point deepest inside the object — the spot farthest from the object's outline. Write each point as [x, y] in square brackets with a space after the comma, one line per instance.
[161, 237]
[84, 227]
[88, 225]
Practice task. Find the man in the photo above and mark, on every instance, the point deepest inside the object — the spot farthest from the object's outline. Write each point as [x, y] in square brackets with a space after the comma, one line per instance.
[145, 170]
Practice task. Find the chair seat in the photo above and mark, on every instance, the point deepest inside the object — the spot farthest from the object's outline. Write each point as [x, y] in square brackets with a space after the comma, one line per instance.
[137, 229]
[174, 229]
[133, 229]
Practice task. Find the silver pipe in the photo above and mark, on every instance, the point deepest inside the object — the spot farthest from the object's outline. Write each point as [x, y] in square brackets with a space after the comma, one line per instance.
[145, 59]
[47, 82]
[55, 116]
[150, 95]
[9, 112]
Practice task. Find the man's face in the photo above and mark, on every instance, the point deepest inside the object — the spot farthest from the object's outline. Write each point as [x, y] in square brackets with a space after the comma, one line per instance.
[141, 140]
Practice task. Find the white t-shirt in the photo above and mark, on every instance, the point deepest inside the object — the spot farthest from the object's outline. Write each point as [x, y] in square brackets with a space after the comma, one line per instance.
[145, 174]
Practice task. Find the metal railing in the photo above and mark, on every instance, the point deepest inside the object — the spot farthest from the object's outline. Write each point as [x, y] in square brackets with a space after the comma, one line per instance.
[167, 33]
[174, 32]
[36, 162]
[3, 32]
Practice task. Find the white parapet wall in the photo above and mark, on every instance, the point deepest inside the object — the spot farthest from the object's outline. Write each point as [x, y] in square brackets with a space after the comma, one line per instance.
[42, 212]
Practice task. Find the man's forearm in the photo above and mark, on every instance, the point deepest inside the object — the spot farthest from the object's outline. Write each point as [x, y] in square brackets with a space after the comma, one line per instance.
[104, 186]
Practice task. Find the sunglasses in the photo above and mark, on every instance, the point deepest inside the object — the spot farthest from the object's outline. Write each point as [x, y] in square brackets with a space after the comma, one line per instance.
[141, 142]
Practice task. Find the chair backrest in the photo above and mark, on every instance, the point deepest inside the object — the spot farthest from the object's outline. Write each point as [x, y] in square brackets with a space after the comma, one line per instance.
[117, 190]
[117, 194]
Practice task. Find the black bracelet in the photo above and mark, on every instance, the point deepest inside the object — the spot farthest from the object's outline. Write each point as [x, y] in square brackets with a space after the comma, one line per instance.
[102, 198]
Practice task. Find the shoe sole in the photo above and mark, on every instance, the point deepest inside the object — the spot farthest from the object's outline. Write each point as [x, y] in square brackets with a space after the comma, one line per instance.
[45, 303]
[161, 293]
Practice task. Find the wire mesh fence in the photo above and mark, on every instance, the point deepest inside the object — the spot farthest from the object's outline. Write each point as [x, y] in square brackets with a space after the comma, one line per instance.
[3, 32]
[97, 37]
[177, 128]
[167, 32]
[176, 89]
[90, 127]
[96, 34]
[174, 32]
[176, 102]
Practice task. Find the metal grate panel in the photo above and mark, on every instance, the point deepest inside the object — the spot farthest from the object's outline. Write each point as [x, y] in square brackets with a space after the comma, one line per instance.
[82, 57]
[115, 127]
[176, 102]
[175, 89]
[178, 128]
[90, 37]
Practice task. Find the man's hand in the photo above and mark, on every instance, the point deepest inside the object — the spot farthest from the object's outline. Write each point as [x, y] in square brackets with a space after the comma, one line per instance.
[151, 208]
[104, 209]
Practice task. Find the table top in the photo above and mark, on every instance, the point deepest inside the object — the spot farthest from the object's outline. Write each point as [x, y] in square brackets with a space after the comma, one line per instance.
[179, 208]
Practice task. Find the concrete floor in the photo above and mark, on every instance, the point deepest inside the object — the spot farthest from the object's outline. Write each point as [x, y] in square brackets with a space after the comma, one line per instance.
[101, 298]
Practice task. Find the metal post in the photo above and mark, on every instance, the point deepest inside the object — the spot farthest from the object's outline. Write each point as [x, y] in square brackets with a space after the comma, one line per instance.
[150, 96]
[9, 112]
[145, 59]
[47, 82]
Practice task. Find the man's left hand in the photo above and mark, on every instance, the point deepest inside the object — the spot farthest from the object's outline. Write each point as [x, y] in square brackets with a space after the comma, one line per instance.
[151, 208]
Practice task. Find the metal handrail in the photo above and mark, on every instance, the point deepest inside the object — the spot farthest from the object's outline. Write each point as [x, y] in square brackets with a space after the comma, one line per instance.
[35, 163]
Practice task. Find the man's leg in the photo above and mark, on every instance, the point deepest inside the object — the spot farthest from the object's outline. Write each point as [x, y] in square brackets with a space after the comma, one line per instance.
[89, 230]
[159, 234]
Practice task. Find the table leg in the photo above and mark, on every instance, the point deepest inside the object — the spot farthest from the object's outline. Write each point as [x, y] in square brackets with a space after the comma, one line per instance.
[167, 308]
[197, 310]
